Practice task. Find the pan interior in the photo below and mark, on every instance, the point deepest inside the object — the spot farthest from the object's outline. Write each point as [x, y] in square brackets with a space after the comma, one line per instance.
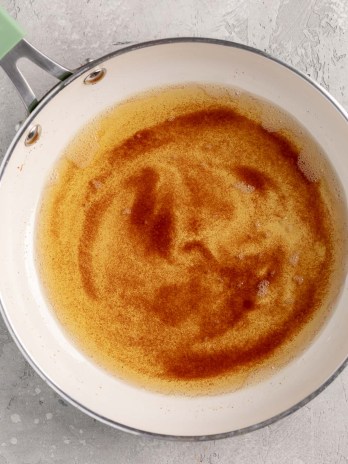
[173, 240]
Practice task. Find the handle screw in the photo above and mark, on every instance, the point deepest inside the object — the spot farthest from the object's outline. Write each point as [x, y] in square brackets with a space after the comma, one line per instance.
[33, 135]
[95, 76]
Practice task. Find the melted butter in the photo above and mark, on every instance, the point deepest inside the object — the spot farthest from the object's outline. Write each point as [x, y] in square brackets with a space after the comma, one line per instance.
[181, 245]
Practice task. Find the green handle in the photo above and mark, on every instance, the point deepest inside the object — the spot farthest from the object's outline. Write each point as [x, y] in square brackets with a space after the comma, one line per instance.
[10, 33]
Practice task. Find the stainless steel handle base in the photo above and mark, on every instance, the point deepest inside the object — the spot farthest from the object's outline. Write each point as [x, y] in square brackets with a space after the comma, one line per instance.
[24, 49]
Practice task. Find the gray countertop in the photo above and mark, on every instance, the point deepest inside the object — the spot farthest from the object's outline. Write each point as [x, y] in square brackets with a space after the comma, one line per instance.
[36, 425]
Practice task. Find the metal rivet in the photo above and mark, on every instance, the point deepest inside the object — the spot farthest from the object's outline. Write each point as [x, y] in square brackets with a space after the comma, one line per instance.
[33, 135]
[95, 76]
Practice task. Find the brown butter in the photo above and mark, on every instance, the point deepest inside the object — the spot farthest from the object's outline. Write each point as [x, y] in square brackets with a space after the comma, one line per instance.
[190, 253]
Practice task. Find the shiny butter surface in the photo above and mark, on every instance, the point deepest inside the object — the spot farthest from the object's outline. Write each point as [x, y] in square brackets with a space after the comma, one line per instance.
[181, 245]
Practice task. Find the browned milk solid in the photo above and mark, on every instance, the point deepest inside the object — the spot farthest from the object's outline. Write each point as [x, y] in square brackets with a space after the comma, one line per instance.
[181, 245]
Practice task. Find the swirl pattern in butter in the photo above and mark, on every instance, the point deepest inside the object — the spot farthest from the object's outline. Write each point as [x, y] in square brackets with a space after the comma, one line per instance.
[182, 246]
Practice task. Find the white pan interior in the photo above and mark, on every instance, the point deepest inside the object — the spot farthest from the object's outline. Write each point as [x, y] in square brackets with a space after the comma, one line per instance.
[28, 170]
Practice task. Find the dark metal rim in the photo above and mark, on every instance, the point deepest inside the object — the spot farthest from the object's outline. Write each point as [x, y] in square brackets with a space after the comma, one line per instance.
[50, 95]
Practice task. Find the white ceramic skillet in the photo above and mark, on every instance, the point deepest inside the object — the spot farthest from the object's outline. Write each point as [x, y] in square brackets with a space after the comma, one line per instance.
[51, 124]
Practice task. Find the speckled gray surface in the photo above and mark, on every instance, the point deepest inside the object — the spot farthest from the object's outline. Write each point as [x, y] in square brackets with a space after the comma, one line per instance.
[36, 426]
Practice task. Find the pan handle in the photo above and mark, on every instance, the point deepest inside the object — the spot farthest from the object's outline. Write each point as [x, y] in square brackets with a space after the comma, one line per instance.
[13, 47]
